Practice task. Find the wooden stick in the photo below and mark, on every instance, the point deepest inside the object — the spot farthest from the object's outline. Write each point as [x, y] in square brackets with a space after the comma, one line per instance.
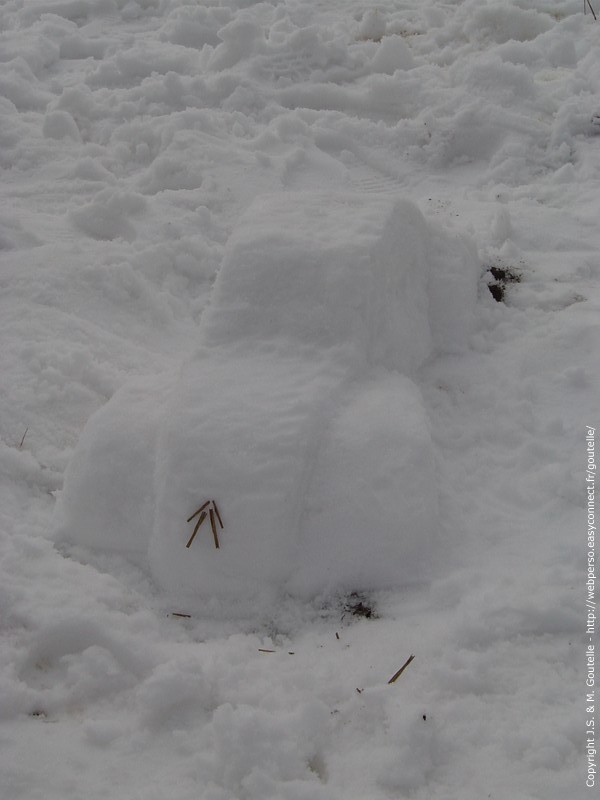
[195, 514]
[23, 439]
[197, 528]
[214, 528]
[217, 513]
[591, 9]
[395, 677]
[177, 614]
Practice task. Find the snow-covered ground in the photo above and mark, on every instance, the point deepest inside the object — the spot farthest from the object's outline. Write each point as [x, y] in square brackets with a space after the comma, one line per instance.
[332, 266]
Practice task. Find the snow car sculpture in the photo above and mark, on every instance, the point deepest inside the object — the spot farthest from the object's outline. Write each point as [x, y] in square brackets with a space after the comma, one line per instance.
[298, 412]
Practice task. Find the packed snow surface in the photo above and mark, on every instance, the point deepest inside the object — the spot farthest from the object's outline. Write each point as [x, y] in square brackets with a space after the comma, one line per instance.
[332, 269]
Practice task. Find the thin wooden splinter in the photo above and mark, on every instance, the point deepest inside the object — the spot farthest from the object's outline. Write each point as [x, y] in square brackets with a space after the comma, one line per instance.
[216, 508]
[197, 528]
[395, 677]
[195, 514]
[214, 528]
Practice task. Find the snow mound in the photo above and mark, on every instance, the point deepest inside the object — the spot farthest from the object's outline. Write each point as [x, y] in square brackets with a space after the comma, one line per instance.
[298, 414]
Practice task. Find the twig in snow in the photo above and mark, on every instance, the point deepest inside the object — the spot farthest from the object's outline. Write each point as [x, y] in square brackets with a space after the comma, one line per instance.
[588, 4]
[214, 528]
[213, 514]
[195, 514]
[395, 677]
[203, 516]
[264, 650]
[23, 439]
[216, 508]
